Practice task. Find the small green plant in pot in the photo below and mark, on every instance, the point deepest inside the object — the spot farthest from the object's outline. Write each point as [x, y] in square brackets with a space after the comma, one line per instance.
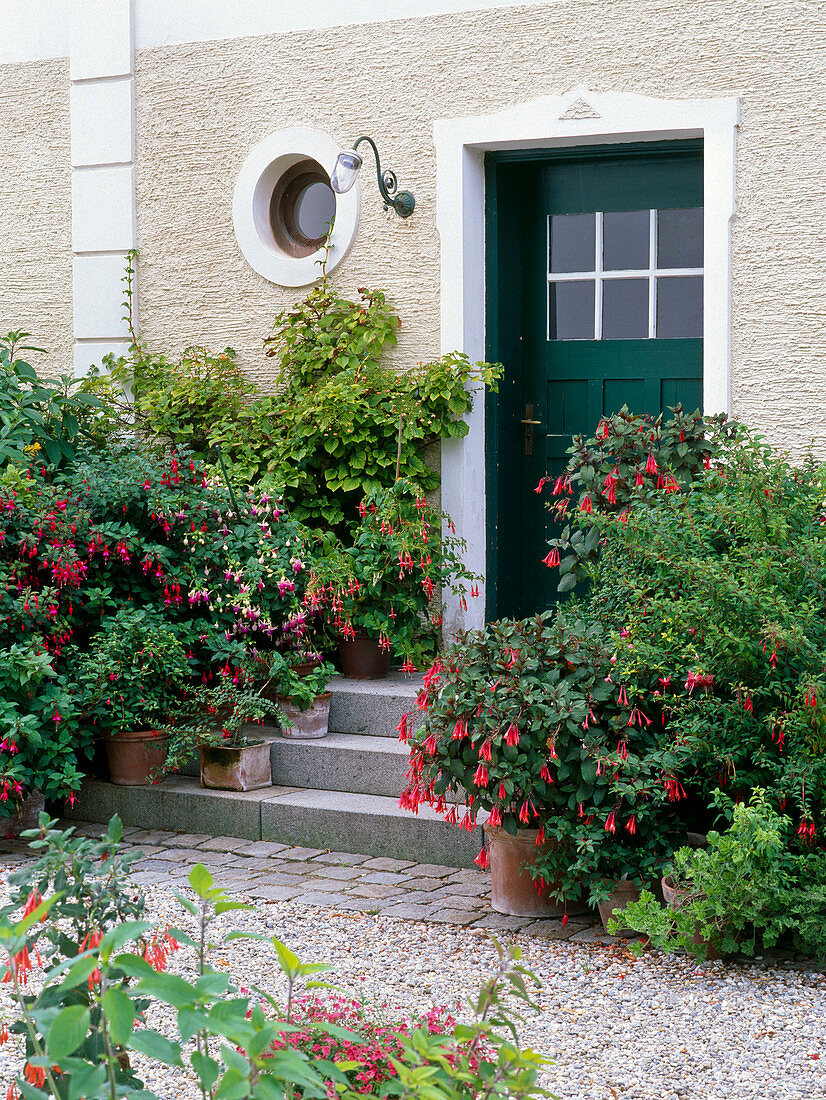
[298, 687]
[129, 685]
[214, 722]
[746, 890]
[385, 586]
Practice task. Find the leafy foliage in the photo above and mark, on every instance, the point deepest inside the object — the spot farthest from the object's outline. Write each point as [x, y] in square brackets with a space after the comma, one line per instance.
[385, 584]
[743, 892]
[232, 1042]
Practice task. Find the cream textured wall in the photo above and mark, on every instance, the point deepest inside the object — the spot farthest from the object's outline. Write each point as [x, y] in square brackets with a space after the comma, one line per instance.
[36, 208]
[201, 106]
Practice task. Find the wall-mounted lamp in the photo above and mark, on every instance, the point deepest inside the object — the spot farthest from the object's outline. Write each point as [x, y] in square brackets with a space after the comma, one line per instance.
[346, 170]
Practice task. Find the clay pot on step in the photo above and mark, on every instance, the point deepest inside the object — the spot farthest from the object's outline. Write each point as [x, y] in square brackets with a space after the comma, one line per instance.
[512, 889]
[236, 767]
[27, 815]
[134, 755]
[363, 659]
[675, 898]
[312, 721]
[622, 893]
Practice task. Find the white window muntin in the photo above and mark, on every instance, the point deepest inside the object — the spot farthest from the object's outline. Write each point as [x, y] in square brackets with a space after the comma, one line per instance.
[599, 274]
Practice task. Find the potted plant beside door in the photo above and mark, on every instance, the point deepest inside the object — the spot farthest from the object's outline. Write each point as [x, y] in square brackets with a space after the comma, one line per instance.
[295, 684]
[381, 593]
[130, 683]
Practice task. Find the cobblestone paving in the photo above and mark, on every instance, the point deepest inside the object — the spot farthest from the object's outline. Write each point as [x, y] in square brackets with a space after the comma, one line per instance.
[345, 881]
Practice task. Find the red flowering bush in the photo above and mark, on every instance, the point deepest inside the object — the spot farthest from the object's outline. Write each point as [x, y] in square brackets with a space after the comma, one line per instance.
[721, 593]
[385, 584]
[527, 721]
[630, 456]
[367, 1046]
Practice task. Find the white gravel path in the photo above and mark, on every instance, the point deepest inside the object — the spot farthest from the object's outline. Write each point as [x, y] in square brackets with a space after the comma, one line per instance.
[619, 1028]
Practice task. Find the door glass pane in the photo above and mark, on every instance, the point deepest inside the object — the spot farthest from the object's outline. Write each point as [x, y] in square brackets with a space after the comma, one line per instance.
[625, 309]
[571, 310]
[680, 237]
[572, 241]
[625, 240]
[680, 307]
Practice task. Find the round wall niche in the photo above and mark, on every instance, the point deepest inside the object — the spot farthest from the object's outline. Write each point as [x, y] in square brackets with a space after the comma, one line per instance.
[283, 205]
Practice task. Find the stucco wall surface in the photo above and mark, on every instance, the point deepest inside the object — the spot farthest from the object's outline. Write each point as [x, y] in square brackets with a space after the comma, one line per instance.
[36, 209]
[201, 106]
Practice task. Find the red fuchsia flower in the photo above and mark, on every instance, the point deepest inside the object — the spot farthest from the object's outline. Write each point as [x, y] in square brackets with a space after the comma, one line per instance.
[540, 836]
[807, 831]
[403, 727]
[467, 822]
[636, 718]
[431, 745]
[502, 794]
[21, 964]
[35, 1075]
[545, 774]
[482, 859]
[495, 817]
[586, 505]
[699, 679]
[552, 558]
[480, 777]
[748, 705]
[779, 738]
[650, 464]
[564, 920]
[811, 698]
[460, 730]
[34, 899]
[611, 823]
[622, 749]
[541, 484]
[622, 696]
[484, 752]
[631, 824]
[670, 485]
[512, 735]
[674, 788]
[523, 813]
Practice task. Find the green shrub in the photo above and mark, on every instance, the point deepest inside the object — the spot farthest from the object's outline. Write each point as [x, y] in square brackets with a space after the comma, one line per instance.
[744, 892]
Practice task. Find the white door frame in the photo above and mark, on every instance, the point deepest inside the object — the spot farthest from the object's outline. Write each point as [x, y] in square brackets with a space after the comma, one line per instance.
[580, 117]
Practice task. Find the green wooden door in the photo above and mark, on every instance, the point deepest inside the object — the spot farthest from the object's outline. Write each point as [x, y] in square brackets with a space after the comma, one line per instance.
[594, 276]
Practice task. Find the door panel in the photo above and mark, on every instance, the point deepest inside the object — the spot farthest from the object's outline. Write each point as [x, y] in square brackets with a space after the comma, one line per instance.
[556, 241]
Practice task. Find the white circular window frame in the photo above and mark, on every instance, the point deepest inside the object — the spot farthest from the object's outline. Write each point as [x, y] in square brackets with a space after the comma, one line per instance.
[266, 163]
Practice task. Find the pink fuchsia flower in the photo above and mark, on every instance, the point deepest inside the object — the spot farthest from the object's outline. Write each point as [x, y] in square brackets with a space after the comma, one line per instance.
[699, 679]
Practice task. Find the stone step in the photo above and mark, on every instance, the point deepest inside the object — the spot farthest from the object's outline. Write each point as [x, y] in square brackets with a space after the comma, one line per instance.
[373, 707]
[338, 762]
[334, 820]
[341, 762]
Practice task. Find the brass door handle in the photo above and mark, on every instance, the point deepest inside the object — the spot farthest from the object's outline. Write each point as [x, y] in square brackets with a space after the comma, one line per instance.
[528, 424]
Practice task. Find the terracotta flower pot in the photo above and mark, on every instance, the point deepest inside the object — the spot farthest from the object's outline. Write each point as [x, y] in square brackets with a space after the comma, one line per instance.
[310, 722]
[675, 898]
[363, 659]
[622, 893]
[132, 756]
[236, 767]
[27, 815]
[512, 889]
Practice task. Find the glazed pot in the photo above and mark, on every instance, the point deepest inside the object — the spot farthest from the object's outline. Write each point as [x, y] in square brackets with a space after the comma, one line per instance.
[675, 898]
[622, 893]
[310, 722]
[512, 889]
[236, 767]
[363, 659]
[133, 755]
[27, 815]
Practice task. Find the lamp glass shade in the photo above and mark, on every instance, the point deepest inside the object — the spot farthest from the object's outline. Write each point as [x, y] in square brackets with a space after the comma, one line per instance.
[345, 171]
